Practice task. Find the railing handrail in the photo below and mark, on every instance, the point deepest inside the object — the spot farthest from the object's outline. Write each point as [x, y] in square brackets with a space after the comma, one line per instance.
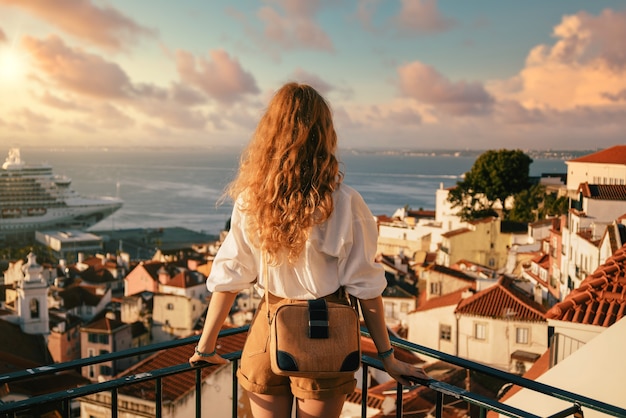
[509, 377]
[441, 388]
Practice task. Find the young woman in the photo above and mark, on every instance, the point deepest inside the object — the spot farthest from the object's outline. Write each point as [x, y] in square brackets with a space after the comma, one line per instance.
[319, 236]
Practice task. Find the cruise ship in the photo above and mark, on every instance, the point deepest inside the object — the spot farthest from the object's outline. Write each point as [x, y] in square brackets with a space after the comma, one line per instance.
[32, 198]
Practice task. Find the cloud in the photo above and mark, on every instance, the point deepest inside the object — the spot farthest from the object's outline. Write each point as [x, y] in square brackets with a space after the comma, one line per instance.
[33, 120]
[102, 26]
[586, 66]
[302, 76]
[620, 96]
[220, 77]
[513, 113]
[296, 28]
[365, 11]
[77, 70]
[421, 17]
[60, 103]
[586, 39]
[425, 84]
[3, 37]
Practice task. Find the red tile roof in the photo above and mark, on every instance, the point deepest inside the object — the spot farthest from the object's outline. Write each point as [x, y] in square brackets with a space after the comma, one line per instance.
[503, 300]
[455, 232]
[105, 324]
[452, 272]
[178, 385]
[603, 191]
[601, 297]
[449, 299]
[612, 155]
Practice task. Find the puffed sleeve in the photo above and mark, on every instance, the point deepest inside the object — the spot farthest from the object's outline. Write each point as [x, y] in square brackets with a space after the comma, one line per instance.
[361, 275]
[235, 265]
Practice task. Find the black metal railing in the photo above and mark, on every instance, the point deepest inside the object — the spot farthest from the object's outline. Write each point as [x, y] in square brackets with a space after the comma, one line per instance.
[25, 408]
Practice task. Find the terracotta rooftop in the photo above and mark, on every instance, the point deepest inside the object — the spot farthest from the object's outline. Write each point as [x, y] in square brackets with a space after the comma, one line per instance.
[603, 191]
[601, 297]
[104, 324]
[612, 155]
[175, 386]
[80, 295]
[455, 232]
[503, 300]
[185, 278]
[448, 299]
[453, 272]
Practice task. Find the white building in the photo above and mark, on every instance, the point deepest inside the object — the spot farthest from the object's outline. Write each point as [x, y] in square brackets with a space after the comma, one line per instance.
[603, 167]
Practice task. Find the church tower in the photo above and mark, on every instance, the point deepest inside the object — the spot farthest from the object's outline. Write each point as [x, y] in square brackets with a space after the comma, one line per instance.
[32, 299]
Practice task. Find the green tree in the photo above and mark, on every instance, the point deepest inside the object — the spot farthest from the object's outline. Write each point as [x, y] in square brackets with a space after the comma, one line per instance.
[494, 177]
[527, 203]
[554, 206]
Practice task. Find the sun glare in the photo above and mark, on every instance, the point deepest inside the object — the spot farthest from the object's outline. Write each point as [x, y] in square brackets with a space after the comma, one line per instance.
[12, 66]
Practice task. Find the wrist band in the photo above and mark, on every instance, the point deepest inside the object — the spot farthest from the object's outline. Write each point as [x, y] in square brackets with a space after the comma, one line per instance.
[386, 354]
[201, 354]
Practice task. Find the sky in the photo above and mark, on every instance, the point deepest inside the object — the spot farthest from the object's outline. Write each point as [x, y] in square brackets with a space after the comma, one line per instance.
[398, 74]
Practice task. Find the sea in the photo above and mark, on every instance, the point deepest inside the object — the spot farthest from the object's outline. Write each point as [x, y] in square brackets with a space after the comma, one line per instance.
[171, 187]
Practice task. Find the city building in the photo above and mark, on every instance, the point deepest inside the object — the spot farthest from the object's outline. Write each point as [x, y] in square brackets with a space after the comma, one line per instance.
[605, 167]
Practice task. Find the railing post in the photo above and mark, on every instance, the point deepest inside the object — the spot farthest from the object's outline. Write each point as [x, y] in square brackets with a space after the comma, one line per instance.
[439, 407]
[114, 403]
[198, 392]
[399, 402]
[235, 389]
[364, 390]
[158, 397]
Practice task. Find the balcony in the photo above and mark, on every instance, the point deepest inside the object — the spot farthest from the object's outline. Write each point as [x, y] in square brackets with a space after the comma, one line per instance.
[106, 394]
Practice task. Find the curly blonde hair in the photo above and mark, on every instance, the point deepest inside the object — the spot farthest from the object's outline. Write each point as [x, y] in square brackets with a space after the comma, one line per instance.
[288, 172]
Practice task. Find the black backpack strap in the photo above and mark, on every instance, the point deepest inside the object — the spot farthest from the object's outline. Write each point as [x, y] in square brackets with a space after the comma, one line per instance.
[318, 318]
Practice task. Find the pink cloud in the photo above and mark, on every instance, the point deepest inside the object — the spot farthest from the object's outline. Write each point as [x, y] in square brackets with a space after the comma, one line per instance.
[620, 96]
[103, 26]
[34, 121]
[302, 76]
[76, 70]
[422, 16]
[56, 102]
[608, 32]
[294, 29]
[220, 77]
[425, 84]
[584, 39]
[585, 66]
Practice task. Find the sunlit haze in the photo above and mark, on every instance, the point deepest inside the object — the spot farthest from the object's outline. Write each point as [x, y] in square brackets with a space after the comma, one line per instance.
[405, 74]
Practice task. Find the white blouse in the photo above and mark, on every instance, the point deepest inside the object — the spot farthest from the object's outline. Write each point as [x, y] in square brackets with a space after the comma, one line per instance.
[339, 252]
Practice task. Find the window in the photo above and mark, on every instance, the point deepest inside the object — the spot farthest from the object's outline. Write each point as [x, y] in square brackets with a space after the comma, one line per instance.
[445, 332]
[92, 338]
[170, 307]
[104, 339]
[106, 371]
[389, 310]
[480, 331]
[435, 288]
[34, 308]
[521, 335]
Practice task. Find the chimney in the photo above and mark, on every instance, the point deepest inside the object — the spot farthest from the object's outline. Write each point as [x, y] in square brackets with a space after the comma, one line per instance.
[538, 294]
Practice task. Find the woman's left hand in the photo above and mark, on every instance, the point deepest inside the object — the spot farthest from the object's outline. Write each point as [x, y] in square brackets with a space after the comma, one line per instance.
[405, 373]
[197, 360]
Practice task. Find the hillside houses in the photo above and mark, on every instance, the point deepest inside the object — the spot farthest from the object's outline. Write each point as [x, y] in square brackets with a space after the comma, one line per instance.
[483, 290]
